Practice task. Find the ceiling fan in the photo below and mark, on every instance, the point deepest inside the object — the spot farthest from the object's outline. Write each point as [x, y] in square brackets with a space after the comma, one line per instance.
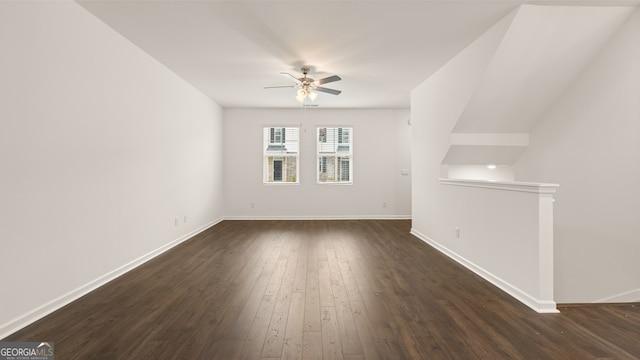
[308, 87]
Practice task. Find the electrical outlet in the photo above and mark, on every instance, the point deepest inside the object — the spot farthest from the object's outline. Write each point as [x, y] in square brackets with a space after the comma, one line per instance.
[384, 204]
[252, 205]
[186, 217]
[457, 233]
[176, 222]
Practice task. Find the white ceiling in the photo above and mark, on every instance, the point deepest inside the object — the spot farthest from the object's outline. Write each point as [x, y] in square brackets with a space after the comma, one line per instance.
[231, 50]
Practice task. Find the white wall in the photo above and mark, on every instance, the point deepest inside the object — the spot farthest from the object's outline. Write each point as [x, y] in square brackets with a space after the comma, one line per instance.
[381, 141]
[436, 105]
[589, 142]
[478, 172]
[101, 148]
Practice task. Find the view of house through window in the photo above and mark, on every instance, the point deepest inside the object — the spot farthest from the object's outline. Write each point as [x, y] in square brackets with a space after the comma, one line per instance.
[280, 161]
[335, 155]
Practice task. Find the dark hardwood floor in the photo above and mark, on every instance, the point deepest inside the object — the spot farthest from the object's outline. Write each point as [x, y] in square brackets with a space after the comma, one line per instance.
[321, 290]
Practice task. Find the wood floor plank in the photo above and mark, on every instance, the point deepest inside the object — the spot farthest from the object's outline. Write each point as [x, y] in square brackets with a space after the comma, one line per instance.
[331, 341]
[312, 345]
[375, 308]
[324, 284]
[293, 337]
[252, 348]
[346, 269]
[623, 335]
[300, 279]
[275, 334]
[346, 325]
[312, 293]
[248, 313]
[334, 289]
[373, 347]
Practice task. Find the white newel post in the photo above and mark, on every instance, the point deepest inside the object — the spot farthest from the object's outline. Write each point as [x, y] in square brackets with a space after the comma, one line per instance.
[546, 248]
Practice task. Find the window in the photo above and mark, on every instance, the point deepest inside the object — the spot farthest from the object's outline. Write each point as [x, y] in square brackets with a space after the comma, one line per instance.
[322, 135]
[322, 164]
[280, 160]
[277, 135]
[335, 155]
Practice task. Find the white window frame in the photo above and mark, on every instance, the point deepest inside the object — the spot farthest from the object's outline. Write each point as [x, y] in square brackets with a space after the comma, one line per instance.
[330, 144]
[275, 149]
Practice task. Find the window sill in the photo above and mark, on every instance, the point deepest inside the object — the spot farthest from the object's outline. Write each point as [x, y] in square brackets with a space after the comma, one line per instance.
[280, 183]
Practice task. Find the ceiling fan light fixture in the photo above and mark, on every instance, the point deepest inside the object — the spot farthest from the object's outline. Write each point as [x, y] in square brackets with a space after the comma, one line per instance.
[308, 87]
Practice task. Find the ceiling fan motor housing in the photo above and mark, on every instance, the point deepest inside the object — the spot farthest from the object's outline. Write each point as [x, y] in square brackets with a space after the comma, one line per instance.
[305, 81]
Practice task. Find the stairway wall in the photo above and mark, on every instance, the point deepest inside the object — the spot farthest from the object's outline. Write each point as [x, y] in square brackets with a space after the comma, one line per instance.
[589, 142]
[568, 77]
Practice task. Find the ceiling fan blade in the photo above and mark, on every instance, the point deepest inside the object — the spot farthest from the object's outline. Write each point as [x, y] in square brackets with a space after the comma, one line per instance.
[276, 87]
[291, 77]
[328, 79]
[328, 91]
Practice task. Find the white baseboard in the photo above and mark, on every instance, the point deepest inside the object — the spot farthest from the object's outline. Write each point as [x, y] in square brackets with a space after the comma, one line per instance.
[629, 296]
[541, 306]
[322, 217]
[53, 305]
